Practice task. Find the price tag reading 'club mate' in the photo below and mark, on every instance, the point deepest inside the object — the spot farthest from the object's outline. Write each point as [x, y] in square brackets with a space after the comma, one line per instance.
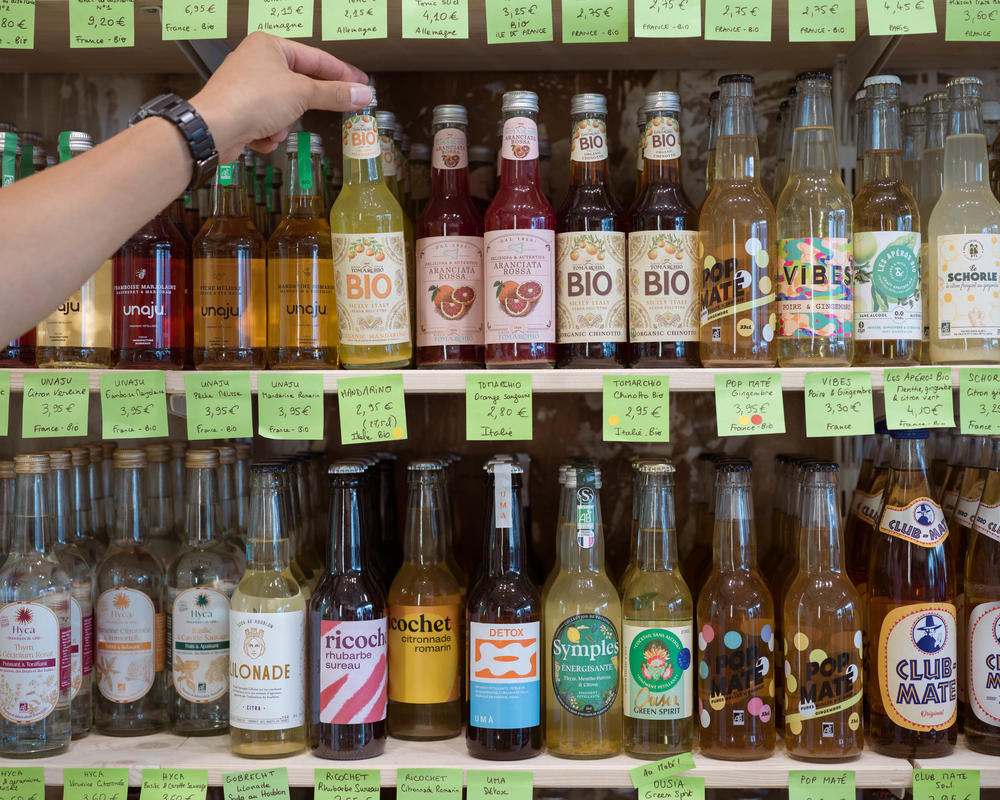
[518, 21]
[174, 784]
[442, 784]
[736, 21]
[372, 409]
[498, 407]
[817, 784]
[839, 404]
[348, 783]
[101, 23]
[636, 408]
[355, 19]
[291, 19]
[218, 405]
[259, 784]
[901, 17]
[918, 397]
[646, 773]
[435, 19]
[290, 406]
[22, 783]
[133, 405]
[17, 24]
[187, 19]
[595, 20]
[667, 18]
[482, 784]
[979, 400]
[673, 787]
[97, 783]
[55, 404]
[749, 403]
[820, 21]
[945, 784]
[966, 21]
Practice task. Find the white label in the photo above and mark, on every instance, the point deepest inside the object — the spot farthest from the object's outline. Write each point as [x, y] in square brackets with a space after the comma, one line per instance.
[81, 649]
[388, 152]
[502, 500]
[449, 291]
[663, 299]
[353, 663]
[370, 277]
[984, 662]
[360, 137]
[988, 520]
[920, 522]
[965, 511]
[267, 659]
[968, 285]
[520, 139]
[589, 141]
[126, 644]
[449, 151]
[519, 284]
[870, 506]
[887, 301]
[590, 281]
[662, 139]
[29, 662]
[199, 644]
[948, 502]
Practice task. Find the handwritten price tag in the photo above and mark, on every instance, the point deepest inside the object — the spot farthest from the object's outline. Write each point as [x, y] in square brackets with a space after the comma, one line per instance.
[55, 404]
[822, 21]
[435, 19]
[901, 17]
[645, 773]
[22, 783]
[290, 406]
[101, 23]
[133, 405]
[964, 21]
[979, 400]
[673, 787]
[4, 405]
[498, 408]
[355, 19]
[346, 784]
[371, 409]
[839, 404]
[918, 397]
[185, 19]
[218, 405]
[174, 784]
[17, 24]
[735, 21]
[816, 784]
[636, 409]
[290, 19]
[749, 403]
[518, 21]
[106, 783]
[485, 784]
[443, 784]
[595, 20]
[261, 784]
[945, 784]
[667, 18]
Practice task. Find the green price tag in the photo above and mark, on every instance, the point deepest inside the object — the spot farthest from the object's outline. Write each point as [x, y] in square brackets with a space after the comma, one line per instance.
[839, 404]
[133, 405]
[820, 21]
[484, 784]
[17, 24]
[667, 19]
[498, 408]
[918, 397]
[194, 19]
[259, 784]
[820, 784]
[739, 20]
[290, 19]
[347, 784]
[946, 784]
[646, 773]
[4, 402]
[97, 783]
[22, 783]
[749, 403]
[979, 400]
[636, 408]
[901, 17]
[516, 21]
[218, 405]
[174, 784]
[673, 787]
[55, 404]
[371, 409]
[290, 406]
[359, 19]
[101, 23]
[444, 784]
[964, 21]
[595, 20]
[435, 19]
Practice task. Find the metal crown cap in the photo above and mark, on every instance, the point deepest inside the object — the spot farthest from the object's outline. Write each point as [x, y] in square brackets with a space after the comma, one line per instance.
[814, 75]
[915, 111]
[450, 114]
[663, 101]
[346, 467]
[315, 142]
[590, 103]
[738, 77]
[520, 100]
[965, 86]
[385, 120]
[491, 467]
[875, 80]
[80, 141]
[656, 466]
[424, 465]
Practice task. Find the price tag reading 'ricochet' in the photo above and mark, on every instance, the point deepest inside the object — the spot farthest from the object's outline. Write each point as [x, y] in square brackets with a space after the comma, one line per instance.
[442, 784]
[22, 783]
[749, 403]
[290, 406]
[816, 784]
[945, 784]
[101, 23]
[290, 19]
[260, 784]
[346, 784]
[518, 21]
[355, 19]
[901, 17]
[636, 408]
[174, 784]
[435, 19]
[595, 20]
[195, 19]
[133, 405]
[482, 784]
[979, 400]
[218, 405]
[372, 409]
[667, 18]
[498, 408]
[964, 21]
[86, 783]
[646, 773]
[918, 397]
[821, 20]
[673, 787]
[55, 404]
[739, 20]
[17, 24]
[839, 404]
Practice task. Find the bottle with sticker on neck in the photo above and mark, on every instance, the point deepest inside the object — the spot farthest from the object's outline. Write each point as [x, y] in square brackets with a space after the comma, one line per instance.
[911, 686]
[20, 352]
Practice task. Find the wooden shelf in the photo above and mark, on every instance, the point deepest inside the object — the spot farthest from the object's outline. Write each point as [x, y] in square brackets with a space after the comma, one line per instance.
[963, 758]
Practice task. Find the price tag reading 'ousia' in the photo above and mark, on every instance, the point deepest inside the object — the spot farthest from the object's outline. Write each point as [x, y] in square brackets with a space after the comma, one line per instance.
[372, 409]
[218, 405]
[55, 404]
[749, 403]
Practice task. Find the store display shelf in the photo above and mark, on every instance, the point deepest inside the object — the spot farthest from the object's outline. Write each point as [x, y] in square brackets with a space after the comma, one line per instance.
[964, 759]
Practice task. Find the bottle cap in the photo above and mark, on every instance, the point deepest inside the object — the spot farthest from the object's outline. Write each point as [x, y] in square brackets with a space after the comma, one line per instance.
[728, 464]
[914, 115]
[656, 466]
[346, 466]
[738, 77]
[178, 449]
[6, 469]
[424, 465]
[227, 454]
[878, 80]
[520, 100]
[965, 86]
[820, 465]
[202, 459]
[9, 138]
[31, 464]
[243, 450]
[8, 127]
[450, 115]
[814, 75]
[266, 468]
[157, 453]
[491, 465]
[936, 102]
[96, 453]
[374, 101]
[129, 459]
[420, 152]
[79, 141]
[480, 152]
[59, 459]
[80, 456]
[589, 103]
[663, 101]
[916, 433]
[315, 142]
[385, 121]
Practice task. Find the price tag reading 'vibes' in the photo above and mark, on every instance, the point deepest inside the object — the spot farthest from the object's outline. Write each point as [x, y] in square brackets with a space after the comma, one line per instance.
[673, 787]
[218, 405]
[498, 407]
[195, 19]
[443, 784]
[290, 406]
[101, 23]
[290, 19]
[816, 784]
[435, 19]
[17, 24]
[636, 408]
[964, 21]
[372, 409]
[133, 405]
[979, 400]
[174, 784]
[945, 784]
[346, 784]
[87, 783]
[839, 404]
[55, 404]
[821, 20]
[900, 17]
[749, 403]
[739, 20]
[667, 18]
[482, 784]
[595, 20]
[22, 783]
[510, 21]
[918, 397]
[355, 19]
[260, 784]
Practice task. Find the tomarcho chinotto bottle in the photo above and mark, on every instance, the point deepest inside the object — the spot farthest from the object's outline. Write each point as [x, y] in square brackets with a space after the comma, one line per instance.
[822, 630]
[888, 313]
[657, 624]
[20, 352]
[815, 256]
[737, 243]
[449, 253]
[230, 281]
[519, 249]
[590, 248]
[662, 244]
[912, 683]
[348, 635]
[393, 168]
[931, 186]
[736, 638]
[302, 308]
[504, 633]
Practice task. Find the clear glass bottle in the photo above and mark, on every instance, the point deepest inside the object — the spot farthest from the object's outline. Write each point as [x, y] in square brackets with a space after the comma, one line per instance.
[914, 133]
[861, 134]
[417, 187]
[991, 127]
[83, 513]
[7, 481]
[784, 147]
[235, 540]
[163, 541]
[178, 476]
[931, 186]
[714, 108]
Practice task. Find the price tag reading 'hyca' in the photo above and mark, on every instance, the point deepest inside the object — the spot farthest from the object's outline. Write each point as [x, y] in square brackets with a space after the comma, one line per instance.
[901, 17]
[95, 783]
[839, 404]
[595, 20]
[510, 21]
[372, 409]
[174, 784]
[749, 403]
[979, 400]
[667, 18]
[636, 408]
[735, 21]
[22, 783]
[817, 784]
[290, 406]
[355, 19]
[133, 405]
[498, 407]
[101, 23]
[435, 19]
[17, 24]
[918, 397]
[820, 21]
[946, 784]
[290, 19]
[218, 405]
[55, 404]
[195, 19]
[347, 783]
[970, 21]
[260, 784]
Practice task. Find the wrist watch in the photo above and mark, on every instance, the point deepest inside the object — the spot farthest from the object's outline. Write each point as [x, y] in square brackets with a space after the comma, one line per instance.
[190, 123]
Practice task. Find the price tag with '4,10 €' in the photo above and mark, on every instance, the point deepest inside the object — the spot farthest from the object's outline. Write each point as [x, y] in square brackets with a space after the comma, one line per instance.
[435, 19]
[498, 408]
[372, 409]
[918, 397]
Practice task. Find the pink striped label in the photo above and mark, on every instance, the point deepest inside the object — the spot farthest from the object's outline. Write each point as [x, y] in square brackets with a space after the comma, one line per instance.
[353, 659]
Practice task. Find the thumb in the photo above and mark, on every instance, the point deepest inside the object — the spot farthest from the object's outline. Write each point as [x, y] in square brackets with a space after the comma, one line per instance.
[339, 95]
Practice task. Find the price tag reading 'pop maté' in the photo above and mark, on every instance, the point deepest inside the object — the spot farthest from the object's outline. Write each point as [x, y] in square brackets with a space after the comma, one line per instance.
[518, 21]
[498, 407]
[174, 784]
[372, 409]
[435, 19]
[900, 17]
[97, 783]
[101, 23]
[673, 787]
[667, 19]
[218, 405]
[195, 19]
[739, 20]
[646, 773]
[346, 784]
[17, 24]
[595, 20]
[482, 784]
[55, 404]
[442, 784]
[290, 19]
[945, 784]
[259, 784]
[290, 406]
[979, 400]
[918, 397]
[818, 784]
[839, 404]
[964, 21]
[749, 403]
[133, 405]
[354, 19]
[820, 21]
[636, 408]
[22, 783]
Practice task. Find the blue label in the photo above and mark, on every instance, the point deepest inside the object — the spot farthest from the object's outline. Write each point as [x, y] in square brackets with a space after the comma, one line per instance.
[504, 683]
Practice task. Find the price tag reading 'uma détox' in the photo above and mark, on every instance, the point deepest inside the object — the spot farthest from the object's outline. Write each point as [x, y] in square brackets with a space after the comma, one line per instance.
[260, 784]
[355, 19]
[979, 400]
[738, 21]
[498, 408]
[442, 784]
[290, 19]
[372, 409]
[749, 403]
[839, 404]
[900, 17]
[104, 783]
[595, 20]
[968, 21]
[667, 18]
[820, 21]
[290, 406]
[55, 404]
[945, 784]
[673, 787]
[435, 19]
[816, 784]
[510, 21]
[17, 24]
[101, 23]
[346, 784]
[636, 408]
[484, 784]
[22, 783]
[194, 19]
[174, 784]
[918, 397]
[133, 405]
[218, 405]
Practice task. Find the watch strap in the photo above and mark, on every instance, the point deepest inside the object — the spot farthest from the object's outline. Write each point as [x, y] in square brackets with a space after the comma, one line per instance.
[191, 124]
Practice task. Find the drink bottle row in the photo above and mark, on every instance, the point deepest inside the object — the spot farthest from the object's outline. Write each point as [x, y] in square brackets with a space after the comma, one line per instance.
[905, 272]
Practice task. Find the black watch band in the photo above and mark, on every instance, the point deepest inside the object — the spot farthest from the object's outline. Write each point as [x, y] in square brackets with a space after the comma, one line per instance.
[199, 138]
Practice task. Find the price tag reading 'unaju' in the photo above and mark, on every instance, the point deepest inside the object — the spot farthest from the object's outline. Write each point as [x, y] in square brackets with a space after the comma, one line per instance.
[55, 404]
[355, 19]
[218, 405]
[260, 784]
[22, 783]
[194, 19]
[101, 23]
[667, 18]
[97, 783]
[918, 397]
[738, 21]
[636, 408]
[749, 403]
[372, 409]
[174, 784]
[133, 405]
[510, 21]
[291, 19]
[435, 19]
[968, 21]
[821, 20]
[839, 404]
[979, 400]
[498, 407]
[595, 20]
[347, 783]
[290, 406]
[17, 24]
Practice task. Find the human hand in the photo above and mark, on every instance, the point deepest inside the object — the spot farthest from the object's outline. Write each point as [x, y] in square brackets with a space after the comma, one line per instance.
[266, 84]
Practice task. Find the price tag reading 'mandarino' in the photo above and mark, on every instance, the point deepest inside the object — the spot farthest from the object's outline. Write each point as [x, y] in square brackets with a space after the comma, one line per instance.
[103, 783]
[518, 21]
[174, 784]
[17, 24]
[195, 19]
[101, 23]
[736, 21]
[133, 405]
[355, 19]
[22, 783]
[636, 408]
[820, 21]
[372, 409]
[595, 20]
[918, 397]
[346, 784]
[218, 405]
[498, 408]
[435, 19]
[945, 784]
[55, 404]
[259, 784]
[979, 400]
[749, 403]
[289, 19]
[839, 404]
[290, 406]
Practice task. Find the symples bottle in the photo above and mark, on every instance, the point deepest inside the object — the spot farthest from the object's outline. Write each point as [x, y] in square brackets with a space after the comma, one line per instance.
[20, 352]
[519, 249]
[663, 270]
[931, 186]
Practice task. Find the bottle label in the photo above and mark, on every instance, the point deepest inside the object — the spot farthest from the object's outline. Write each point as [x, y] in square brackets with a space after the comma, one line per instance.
[199, 643]
[917, 670]
[502, 497]
[949, 501]
[387, 150]
[449, 289]
[360, 137]
[988, 520]
[306, 303]
[735, 286]
[815, 288]
[126, 644]
[661, 140]
[586, 515]
[504, 679]
[820, 684]
[737, 684]
[968, 294]
[590, 282]
[146, 300]
[449, 150]
[887, 301]
[663, 278]
[352, 671]
[81, 651]
[658, 676]
[518, 280]
[984, 662]
[585, 664]
[31, 651]
[267, 679]
[84, 320]
[589, 141]
[370, 276]
[424, 653]
[229, 296]
[869, 507]
[520, 139]
[920, 522]
[965, 509]
[481, 182]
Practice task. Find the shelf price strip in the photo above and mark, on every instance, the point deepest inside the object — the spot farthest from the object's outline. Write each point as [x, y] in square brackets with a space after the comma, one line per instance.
[482, 784]
[101, 23]
[104, 783]
[55, 404]
[820, 784]
[636, 408]
[218, 405]
[918, 397]
[510, 21]
[979, 400]
[498, 408]
[22, 783]
[665, 767]
[358, 19]
[443, 784]
[17, 24]
[839, 404]
[900, 17]
[748, 403]
[345, 784]
[133, 405]
[184, 19]
[594, 21]
[372, 409]
[945, 784]
[260, 784]
[174, 784]
[822, 21]
[970, 21]
[667, 19]
[290, 406]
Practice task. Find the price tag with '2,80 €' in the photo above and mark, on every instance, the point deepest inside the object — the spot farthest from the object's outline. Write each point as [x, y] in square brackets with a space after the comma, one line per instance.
[498, 407]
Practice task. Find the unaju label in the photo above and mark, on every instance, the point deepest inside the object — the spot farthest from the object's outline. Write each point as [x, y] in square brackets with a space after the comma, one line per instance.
[199, 644]
[984, 662]
[353, 659]
[370, 276]
[127, 644]
[663, 284]
[585, 664]
[31, 657]
[657, 672]
[504, 676]
[968, 285]
[887, 303]
[590, 281]
[920, 522]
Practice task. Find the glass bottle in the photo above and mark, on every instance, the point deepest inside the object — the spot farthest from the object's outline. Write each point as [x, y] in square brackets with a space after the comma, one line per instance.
[914, 132]
[130, 629]
[698, 561]
[302, 307]
[657, 628]
[241, 486]
[482, 183]
[200, 582]
[100, 500]
[163, 540]
[273, 177]
[866, 503]
[267, 697]
[816, 269]
[449, 254]
[504, 632]
[390, 546]
[178, 477]
[911, 686]
[738, 227]
[106, 470]
[784, 146]
[83, 513]
[714, 107]
[590, 248]
[991, 128]
[640, 161]
[583, 705]
[7, 480]
[862, 113]
[520, 242]
[957, 461]
[736, 640]
[663, 246]
[931, 186]
[418, 178]
[20, 352]
[230, 280]
[260, 217]
[888, 320]
[192, 215]
[965, 241]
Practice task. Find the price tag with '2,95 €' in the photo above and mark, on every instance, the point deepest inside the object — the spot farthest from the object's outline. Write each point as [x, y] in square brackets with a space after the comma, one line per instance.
[372, 409]
[86, 783]
[218, 405]
[636, 408]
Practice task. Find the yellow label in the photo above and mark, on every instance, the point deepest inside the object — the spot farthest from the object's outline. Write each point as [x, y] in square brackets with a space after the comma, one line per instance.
[230, 302]
[370, 279]
[424, 653]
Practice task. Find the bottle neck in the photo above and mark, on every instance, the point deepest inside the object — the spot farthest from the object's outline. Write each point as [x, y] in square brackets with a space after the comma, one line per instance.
[362, 155]
[130, 506]
[820, 541]
[914, 134]
[82, 512]
[200, 526]
[450, 146]
[268, 537]
[813, 142]
[241, 476]
[347, 548]
[582, 545]
[882, 148]
[965, 159]
[31, 514]
[61, 505]
[159, 499]
[937, 129]
[229, 191]
[589, 139]
[421, 543]
[734, 548]
[303, 182]
[908, 477]
[504, 524]
[225, 486]
[520, 173]
[656, 548]
[736, 153]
